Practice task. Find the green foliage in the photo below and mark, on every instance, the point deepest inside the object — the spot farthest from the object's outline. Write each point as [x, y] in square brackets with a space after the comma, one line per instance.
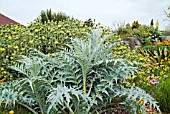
[60, 17]
[161, 94]
[48, 15]
[158, 53]
[157, 25]
[120, 28]
[78, 79]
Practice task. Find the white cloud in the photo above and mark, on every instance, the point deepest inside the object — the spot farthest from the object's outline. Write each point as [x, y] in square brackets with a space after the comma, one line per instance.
[105, 11]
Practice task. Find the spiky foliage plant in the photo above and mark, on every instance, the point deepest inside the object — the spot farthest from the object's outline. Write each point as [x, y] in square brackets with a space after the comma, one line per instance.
[81, 78]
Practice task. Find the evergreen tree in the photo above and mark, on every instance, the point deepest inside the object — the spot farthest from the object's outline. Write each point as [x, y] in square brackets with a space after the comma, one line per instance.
[152, 24]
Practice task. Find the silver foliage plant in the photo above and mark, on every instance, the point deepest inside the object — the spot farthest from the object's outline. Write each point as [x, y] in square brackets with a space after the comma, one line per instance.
[79, 79]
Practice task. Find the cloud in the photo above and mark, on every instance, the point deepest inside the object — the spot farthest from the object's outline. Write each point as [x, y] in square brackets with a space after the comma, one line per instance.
[105, 11]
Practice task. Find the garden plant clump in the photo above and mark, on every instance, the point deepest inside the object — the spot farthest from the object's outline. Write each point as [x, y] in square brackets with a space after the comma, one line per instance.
[71, 66]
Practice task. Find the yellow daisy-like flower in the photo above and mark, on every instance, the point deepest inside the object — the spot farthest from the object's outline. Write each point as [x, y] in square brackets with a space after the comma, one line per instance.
[43, 37]
[36, 30]
[22, 49]
[133, 84]
[140, 81]
[139, 111]
[127, 84]
[134, 77]
[67, 31]
[9, 38]
[11, 112]
[118, 44]
[16, 47]
[56, 42]
[59, 25]
[2, 49]
[141, 58]
[2, 68]
[31, 41]
[53, 54]
[141, 102]
[148, 84]
[4, 72]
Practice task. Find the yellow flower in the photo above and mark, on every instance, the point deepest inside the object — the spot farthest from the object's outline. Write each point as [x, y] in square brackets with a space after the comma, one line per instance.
[22, 49]
[15, 47]
[143, 73]
[2, 49]
[119, 39]
[118, 44]
[133, 84]
[11, 112]
[154, 56]
[59, 25]
[127, 84]
[2, 68]
[162, 72]
[134, 77]
[4, 72]
[67, 31]
[31, 41]
[36, 30]
[161, 65]
[161, 62]
[148, 84]
[141, 58]
[43, 38]
[147, 78]
[11, 57]
[139, 111]
[53, 54]
[56, 42]
[140, 81]
[141, 102]
[148, 71]
[9, 38]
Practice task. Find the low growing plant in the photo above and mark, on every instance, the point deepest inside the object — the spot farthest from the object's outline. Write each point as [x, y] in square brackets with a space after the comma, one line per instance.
[161, 94]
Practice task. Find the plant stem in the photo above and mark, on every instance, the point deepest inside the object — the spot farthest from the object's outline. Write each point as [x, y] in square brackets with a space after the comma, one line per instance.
[69, 107]
[33, 111]
[38, 100]
[84, 78]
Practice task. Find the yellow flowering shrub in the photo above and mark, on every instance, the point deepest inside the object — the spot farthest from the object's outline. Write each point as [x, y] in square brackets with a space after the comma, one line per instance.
[151, 72]
[163, 43]
[16, 40]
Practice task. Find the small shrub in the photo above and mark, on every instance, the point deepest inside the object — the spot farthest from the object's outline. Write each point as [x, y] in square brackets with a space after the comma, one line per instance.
[162, 95]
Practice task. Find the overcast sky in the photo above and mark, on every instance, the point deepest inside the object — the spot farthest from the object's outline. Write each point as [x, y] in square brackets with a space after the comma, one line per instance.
[105, 11]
